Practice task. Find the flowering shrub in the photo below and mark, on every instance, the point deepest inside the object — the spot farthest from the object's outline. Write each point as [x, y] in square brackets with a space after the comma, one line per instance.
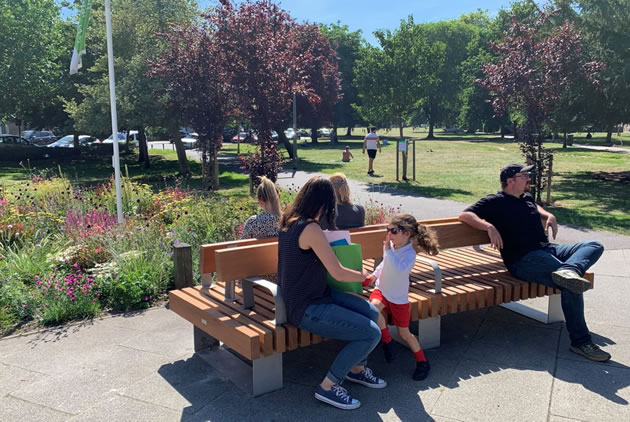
[255, 165]
[91, 224]
[378, 213]
[68, 296]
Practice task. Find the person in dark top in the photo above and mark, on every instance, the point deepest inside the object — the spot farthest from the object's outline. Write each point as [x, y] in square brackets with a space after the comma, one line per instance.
[513, 222]
[304, 259]
[349, 215]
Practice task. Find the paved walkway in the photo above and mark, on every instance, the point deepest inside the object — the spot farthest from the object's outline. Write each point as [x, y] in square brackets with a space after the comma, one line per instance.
[493, 365]
[602, 148]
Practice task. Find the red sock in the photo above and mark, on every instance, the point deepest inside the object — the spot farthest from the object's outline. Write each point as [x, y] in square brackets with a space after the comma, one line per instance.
[420, 356]
[385, 337]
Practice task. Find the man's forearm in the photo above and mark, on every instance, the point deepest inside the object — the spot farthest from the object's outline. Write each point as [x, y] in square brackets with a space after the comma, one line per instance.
[474, 220]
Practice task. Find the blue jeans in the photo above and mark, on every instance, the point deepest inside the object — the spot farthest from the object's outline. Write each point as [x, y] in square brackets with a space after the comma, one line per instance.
[349, 318]
[537, 267]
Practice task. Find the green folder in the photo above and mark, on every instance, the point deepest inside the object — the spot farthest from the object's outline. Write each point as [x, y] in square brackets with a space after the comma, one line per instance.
[350, 257]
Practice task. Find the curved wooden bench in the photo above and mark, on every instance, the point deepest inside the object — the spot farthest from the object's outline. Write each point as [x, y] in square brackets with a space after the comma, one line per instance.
[247, 319]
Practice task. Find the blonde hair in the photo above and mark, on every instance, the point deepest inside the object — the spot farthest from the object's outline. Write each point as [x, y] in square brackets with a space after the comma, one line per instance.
[268, 194]
[422, 239]
[342, 190]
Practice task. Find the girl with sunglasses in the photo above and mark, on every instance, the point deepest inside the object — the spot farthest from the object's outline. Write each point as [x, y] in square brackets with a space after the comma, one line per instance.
[405, 238]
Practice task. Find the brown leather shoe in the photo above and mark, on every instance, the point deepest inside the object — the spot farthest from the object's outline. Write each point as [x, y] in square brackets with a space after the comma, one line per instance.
[591, 351]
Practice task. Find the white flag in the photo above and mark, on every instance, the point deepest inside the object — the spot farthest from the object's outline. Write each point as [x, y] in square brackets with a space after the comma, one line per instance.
[79, 43]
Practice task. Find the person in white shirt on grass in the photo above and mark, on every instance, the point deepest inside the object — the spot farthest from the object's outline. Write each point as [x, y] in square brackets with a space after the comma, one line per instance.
[371, 143]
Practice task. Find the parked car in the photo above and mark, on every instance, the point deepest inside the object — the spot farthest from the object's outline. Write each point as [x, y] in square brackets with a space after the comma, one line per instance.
[13, 140]
[244, 137]
[122, 138]
[39, 137]
[289, 133]
[323, 133]
[229, 133]
[190, 142]
[68, 141]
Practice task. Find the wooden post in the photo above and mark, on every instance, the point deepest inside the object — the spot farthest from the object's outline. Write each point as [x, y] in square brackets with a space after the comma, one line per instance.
[414, 160]
[397, 157]
[182, 258]
[549, 182]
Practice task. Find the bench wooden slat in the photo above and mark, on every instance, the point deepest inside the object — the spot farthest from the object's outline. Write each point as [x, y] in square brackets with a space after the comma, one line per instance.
[219, 326]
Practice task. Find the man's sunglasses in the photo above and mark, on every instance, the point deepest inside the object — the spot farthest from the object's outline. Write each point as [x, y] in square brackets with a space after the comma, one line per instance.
[395, 230]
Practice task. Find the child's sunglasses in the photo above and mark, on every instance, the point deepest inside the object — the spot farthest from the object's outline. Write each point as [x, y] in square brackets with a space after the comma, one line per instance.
[395, 230]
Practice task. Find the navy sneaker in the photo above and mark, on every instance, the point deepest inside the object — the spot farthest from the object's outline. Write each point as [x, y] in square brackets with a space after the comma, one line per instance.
[367, 378]
[337, 396]
[421, 371]
[388, 351]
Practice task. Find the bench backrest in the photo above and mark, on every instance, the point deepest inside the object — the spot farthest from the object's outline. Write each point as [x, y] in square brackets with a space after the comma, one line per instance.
[256, 259]
[207, 259]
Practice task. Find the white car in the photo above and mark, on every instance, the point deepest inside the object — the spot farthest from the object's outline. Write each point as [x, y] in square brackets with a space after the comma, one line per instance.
[122, 138]
[68, 141]
[190, 143]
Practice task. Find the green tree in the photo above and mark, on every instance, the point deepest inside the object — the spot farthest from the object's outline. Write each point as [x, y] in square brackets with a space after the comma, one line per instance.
[135, 25]
[607, 34]
[347, 44]
[32, 45]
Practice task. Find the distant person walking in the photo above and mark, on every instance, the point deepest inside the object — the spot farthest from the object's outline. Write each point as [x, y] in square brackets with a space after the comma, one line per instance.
[371, 143]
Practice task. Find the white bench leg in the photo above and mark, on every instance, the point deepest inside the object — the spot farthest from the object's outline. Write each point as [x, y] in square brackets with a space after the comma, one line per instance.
[267, 374]
[428, 333]
[552, 313]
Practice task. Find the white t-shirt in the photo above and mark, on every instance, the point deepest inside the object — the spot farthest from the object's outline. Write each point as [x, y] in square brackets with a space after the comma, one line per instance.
[370, 140]
[392, 274]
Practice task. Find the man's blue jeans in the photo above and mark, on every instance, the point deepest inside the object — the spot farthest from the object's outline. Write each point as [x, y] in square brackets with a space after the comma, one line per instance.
[537, 267]
[349, 318]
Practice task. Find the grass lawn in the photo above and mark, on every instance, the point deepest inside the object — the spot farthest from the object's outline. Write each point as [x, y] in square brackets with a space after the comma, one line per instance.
[464, 168]
[98, 169]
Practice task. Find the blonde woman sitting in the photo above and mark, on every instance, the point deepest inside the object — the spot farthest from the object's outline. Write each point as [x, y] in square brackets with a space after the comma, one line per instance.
[349, 215]
[266, 224]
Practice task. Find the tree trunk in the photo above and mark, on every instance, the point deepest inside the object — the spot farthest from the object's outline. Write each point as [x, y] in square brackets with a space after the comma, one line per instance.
[609, 133]
[502, 132]
[564, 140]
[144, 148]
[282, 138]
[349, 131]
[75, 141]
[333, 134]
[215, 167]
[430, 135]
[182, 160]
[314, 134]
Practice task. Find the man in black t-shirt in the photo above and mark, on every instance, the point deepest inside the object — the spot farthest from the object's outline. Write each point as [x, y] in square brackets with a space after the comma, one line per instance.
[513, 222]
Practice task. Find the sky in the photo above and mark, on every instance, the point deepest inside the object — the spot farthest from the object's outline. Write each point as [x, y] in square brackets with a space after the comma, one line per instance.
[370, 15]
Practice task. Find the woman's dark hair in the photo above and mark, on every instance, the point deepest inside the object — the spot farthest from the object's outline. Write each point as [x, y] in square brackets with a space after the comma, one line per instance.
[421, 237]
[316, 195]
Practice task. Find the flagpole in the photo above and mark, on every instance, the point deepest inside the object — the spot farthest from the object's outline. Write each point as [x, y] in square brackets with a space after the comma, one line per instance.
[112, 101]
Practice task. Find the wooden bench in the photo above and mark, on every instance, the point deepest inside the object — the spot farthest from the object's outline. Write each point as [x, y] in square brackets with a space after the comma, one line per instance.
[244, 326]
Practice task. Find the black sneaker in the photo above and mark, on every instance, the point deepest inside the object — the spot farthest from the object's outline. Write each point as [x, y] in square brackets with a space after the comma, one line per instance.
[422, 370]
[337, 396]
[388, 351]
[591, 351]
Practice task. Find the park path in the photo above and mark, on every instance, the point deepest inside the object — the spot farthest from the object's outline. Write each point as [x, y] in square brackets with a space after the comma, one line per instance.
[607, 149]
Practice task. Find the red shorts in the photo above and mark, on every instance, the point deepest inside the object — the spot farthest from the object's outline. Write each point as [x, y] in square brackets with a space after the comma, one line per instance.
[399, 312]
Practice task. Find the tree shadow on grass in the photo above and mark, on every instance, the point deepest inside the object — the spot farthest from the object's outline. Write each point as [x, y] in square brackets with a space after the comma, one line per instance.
[414, 188]
[605, 197]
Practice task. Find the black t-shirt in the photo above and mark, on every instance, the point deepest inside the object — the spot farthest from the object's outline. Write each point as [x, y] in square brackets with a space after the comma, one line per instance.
[517, 220]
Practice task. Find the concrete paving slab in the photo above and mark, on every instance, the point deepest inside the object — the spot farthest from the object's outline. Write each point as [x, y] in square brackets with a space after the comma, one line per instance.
[148, 320]
[607, 303]
[590, 391]
[13, 378]
[82, 385]
[70, 344]
[613, 339]
[185, 385]
[13, 409]
[555, 418]
[169, 342]
[612, 263]
[504, 394]
[527, 346]
[500, 314]
[457, 332]
[124, 409]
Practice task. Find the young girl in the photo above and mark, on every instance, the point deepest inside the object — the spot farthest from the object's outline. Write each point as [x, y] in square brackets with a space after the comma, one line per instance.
[405, 238]
[264, 225]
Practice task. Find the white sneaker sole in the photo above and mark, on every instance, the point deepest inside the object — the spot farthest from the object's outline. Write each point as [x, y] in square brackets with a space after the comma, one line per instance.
[572, 282]
[367, 384]
[337, 405]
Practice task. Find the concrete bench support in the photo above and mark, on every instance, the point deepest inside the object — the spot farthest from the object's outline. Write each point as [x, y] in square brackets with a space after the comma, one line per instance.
[262, 376]
[532, 309]
[428, 333]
